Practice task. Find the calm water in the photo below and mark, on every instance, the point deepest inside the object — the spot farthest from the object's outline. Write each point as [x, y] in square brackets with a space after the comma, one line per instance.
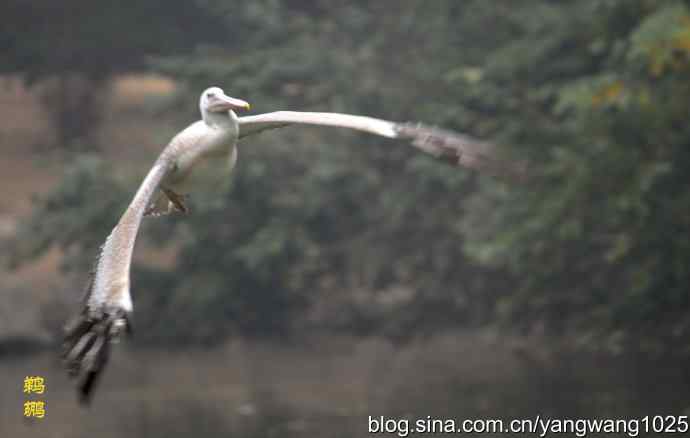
[329, 388]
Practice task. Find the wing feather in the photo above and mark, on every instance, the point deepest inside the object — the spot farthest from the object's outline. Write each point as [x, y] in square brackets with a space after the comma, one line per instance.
[111, 280]
[452, 147]
[108, 303]
[254, 124]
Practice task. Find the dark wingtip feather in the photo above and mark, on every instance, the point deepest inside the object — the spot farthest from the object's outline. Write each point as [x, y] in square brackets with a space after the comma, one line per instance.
[93, 363]
[461, 150]
[85, 388]
[86, 346]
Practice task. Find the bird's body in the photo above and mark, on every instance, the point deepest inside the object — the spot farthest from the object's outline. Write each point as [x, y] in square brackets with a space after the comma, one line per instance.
[212, 142]
[202, 143]
[200, 156]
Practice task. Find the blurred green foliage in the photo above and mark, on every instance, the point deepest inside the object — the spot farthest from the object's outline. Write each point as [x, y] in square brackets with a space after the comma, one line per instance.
[339, 231]
[41, 39]
[73, 47]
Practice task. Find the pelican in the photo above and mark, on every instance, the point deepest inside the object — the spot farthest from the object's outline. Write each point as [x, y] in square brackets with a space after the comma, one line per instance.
[107, 304]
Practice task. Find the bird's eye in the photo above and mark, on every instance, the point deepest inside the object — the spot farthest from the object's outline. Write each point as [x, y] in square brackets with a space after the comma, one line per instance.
[210, 94]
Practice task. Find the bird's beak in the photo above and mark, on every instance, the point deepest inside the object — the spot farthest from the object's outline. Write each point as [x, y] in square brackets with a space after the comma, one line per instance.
[226, 103]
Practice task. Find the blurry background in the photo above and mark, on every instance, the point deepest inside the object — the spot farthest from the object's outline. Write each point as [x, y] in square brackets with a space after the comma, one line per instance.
[338, 275]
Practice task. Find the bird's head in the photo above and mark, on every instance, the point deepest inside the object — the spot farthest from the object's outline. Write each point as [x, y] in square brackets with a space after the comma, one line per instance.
[214, 101]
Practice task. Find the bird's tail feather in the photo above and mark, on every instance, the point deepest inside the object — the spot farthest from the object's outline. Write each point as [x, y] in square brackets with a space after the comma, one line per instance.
[86, 345]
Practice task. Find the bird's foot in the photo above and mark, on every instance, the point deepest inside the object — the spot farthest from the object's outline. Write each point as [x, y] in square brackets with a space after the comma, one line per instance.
[168, 203]
[178, 201]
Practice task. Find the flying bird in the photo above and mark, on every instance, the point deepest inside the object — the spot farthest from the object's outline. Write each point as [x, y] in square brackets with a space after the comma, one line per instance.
[107, 304]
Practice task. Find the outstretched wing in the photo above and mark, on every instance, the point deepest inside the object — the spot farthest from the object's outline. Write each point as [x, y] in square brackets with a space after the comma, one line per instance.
[107, 302]
[452, 147]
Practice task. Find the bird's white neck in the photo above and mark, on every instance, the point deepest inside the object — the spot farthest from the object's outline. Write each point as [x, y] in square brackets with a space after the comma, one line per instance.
[223, 120]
